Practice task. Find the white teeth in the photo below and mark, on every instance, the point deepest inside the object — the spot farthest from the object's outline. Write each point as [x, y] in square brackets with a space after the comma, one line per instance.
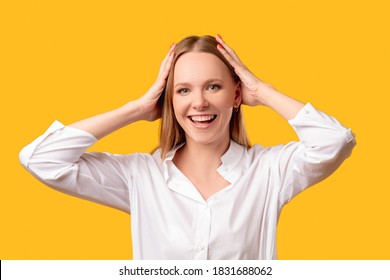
[202, 118]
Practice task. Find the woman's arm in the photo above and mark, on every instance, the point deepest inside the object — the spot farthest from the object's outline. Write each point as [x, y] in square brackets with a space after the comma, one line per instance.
[324, 142]
[106, 123]
[58, 157]
[284, 105]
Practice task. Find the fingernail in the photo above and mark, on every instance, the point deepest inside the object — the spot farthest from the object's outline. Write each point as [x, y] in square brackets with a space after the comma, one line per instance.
[171, 47]
[220, 46]
[219, 36]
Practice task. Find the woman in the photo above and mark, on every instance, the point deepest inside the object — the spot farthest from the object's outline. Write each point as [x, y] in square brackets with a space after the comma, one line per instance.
[204, 194]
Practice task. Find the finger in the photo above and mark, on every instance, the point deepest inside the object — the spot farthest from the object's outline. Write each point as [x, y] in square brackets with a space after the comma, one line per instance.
[233, 62]
[232, 58]
[241, 70]
[166, 58]
[228, 48]
[246, 76]
[167, 67]
[164, 61]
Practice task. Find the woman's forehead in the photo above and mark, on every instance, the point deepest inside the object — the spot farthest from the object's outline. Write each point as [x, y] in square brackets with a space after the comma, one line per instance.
[199, 65]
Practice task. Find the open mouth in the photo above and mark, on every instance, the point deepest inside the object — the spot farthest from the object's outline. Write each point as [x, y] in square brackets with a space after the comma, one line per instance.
[203, 119]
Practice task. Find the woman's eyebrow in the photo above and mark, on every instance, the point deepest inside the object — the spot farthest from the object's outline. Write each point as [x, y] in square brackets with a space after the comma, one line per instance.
[182, 84]
[205, 82]
[213, 81]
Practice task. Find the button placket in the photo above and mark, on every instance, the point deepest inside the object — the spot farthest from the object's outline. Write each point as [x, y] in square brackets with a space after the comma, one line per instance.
[203, 232]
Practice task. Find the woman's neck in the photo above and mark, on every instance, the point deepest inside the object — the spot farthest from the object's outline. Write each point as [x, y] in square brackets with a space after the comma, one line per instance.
[202, 156]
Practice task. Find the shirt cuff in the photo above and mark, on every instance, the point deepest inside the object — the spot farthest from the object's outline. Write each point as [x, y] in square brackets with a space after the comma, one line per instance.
[309, 116]
[27, 152]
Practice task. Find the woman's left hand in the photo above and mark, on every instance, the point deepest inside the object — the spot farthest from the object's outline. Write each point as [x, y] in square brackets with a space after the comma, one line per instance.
[253, 89]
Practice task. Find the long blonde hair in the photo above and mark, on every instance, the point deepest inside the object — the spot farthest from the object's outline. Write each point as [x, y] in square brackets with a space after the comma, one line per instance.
[171, 133]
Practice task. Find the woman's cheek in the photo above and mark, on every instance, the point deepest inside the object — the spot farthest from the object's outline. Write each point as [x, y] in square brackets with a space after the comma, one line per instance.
[225, 103]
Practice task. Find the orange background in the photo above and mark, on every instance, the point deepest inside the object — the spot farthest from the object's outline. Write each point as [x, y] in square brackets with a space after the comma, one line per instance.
[68, 60]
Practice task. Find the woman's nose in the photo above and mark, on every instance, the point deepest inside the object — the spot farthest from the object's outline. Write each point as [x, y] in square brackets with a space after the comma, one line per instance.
[199, 102]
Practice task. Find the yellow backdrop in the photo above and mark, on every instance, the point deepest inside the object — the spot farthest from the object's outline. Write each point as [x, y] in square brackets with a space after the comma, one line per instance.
[68, 60]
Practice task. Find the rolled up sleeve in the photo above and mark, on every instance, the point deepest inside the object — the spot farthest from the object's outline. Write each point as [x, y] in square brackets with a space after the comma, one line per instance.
[58, 159]
[324, 143]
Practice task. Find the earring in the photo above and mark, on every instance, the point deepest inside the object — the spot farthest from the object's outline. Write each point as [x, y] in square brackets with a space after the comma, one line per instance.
[236, 109]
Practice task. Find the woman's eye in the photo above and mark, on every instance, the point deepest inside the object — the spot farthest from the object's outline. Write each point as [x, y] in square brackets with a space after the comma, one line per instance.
[182, 90]
[214, 87]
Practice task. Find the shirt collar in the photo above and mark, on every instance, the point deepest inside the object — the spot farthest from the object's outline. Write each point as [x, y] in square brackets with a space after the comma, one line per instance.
[171, 153]
[229, 159]
[233, 155]
[229, 168]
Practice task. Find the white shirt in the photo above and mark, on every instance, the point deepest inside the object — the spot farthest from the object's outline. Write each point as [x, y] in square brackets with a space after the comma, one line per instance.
[169, 217]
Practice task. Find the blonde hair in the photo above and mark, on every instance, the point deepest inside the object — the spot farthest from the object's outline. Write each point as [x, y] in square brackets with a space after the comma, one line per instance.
[171, 133]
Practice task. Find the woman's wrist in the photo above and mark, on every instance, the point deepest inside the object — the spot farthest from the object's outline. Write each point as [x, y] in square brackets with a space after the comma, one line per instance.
[284, 105]
[132, 111]
[265, 94]
[140, 109]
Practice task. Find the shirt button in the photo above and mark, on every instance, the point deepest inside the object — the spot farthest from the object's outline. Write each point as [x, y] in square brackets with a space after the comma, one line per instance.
[201, 247]
[348, 135]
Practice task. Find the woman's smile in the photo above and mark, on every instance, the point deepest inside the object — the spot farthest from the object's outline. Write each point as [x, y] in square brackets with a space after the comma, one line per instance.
[202, 121]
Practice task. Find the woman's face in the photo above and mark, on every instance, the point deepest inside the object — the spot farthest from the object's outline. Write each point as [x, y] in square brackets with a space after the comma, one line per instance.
[204, 94]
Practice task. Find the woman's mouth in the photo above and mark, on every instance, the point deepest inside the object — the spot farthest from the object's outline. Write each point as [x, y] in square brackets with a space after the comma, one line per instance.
[202, 119]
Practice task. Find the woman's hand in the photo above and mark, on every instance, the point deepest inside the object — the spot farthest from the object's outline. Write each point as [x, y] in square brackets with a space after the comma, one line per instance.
[148, 103]
[144, 108]
[253, 89]
[256, 92]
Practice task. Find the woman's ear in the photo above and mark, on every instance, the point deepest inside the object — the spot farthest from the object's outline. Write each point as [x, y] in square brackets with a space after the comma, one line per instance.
[238, 95]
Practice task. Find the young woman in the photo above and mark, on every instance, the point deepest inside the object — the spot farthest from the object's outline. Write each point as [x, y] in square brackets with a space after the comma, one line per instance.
[205, 193]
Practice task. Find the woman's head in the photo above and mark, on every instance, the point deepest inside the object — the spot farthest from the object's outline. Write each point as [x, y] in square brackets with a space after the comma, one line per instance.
[201, 91]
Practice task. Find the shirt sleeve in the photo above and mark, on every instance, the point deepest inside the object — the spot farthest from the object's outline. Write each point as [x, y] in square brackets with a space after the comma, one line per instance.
[58, 159]
[323, 145]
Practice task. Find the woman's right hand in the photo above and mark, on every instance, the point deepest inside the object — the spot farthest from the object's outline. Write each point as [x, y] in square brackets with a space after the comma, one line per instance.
[148, 103]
